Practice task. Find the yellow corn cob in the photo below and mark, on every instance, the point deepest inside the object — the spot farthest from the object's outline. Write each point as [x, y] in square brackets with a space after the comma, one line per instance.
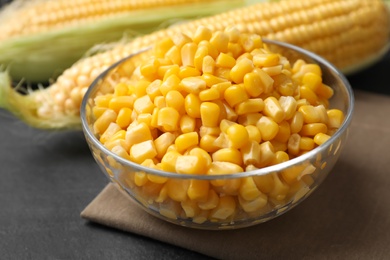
[41, 38]
[349, 33]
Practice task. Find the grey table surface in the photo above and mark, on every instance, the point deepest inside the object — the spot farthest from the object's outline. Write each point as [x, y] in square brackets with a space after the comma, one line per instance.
[47, 178]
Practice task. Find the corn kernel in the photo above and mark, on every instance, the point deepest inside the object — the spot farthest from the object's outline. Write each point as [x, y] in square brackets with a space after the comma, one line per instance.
[187, 124]
[309, 95]
[204, 130]
[209, 94]
[207, 142]
[267, 154]
[109, 132]
[324, 91]
[165, 71]
[139, 152]
[312, 81]
[163, 142]
[200, 53]
[273, 70]
[296, 122]
[250, 41]
[235, 94]
[163, 46]
[235, 49]
[310, 114]
[231, 155]
[222, 141]
[175, 100]
[209, 113]
[284, 132]
[265, 59]
[336, 118]
[280, 157]
[188, 53]
[251, 153]
[192, 105]
[321, 138]
[253, 105]
[186, 72]
[223, 73]
[211, 80]
[253, 133]
[168, 161]
[249, 119]
[291, 174]
[211, 201]
[180, 39]
[170, 83]
[273, 109]
[253, 84]
[289, 106]
[237, 135]
[306, 143]
[202, 155]
[264, 183]
[170, 210]
[193, 85]
[120, 151]
[168, 119]
[121, 89]
[102, 123]
[98, 111]
[313, 129]
[153, 90]
[239, 70]
[120, 135]
[202, 33]
[293, 144]
[221, 87]
[220, 41]
[198, 190]
[280, 189]
[190, 164]
[225, 61]
[116, 103]
[177, 189]
[143, 105]
[103, 101]
[163, 194]
[173, 54]
[185, 141]
[110, 144]
[190, 208]
[208, 64]
[227, 111]
[225, 208]
[156, 178]
[140, 178]
[248, 189]
[138, 133]
[268, 128]
[253, 205]
[124, 117]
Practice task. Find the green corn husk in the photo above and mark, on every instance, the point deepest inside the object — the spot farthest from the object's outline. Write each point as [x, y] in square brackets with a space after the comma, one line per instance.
[43, 56]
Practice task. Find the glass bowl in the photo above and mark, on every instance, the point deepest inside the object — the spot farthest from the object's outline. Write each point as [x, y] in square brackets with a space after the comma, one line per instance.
[231, 210]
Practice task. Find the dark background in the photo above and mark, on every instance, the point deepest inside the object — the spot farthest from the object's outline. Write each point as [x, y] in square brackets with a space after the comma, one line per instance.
[47, 179]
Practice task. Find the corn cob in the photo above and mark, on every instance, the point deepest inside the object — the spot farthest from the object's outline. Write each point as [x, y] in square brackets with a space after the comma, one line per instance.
[349, 33]
[40, 38]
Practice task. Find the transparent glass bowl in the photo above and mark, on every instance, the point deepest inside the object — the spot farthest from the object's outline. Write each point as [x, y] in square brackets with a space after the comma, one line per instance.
[313, 166]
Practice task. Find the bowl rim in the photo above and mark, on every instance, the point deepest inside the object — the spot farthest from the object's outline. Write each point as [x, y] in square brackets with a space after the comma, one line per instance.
[262, 171]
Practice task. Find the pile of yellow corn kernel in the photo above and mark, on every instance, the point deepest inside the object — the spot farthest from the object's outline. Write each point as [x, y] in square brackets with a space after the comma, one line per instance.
[217, 103]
